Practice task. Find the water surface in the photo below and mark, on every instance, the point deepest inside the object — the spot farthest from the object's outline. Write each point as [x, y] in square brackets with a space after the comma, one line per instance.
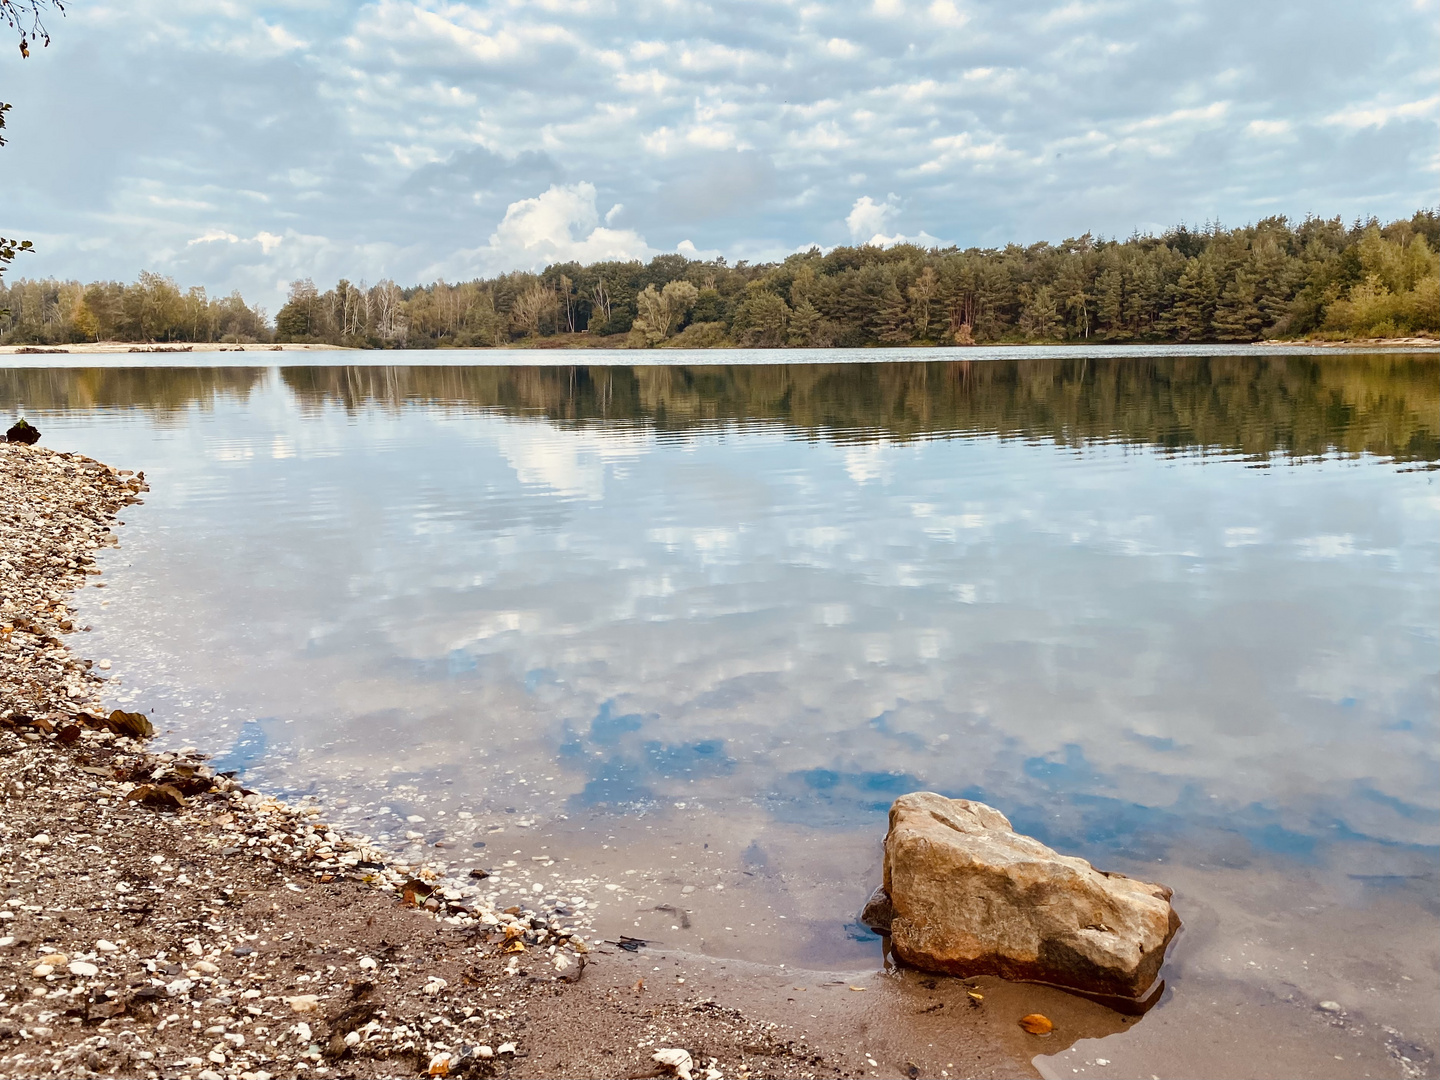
[693, 628]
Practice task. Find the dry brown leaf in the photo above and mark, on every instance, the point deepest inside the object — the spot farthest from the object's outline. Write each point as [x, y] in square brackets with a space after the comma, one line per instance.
[1036, 1024]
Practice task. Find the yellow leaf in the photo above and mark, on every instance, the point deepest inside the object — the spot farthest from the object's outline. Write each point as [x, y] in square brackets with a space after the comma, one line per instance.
[1036, 1024]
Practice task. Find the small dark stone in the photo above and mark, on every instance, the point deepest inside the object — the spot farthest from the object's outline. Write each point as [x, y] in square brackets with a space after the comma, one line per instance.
[878, 913]
[22, 432]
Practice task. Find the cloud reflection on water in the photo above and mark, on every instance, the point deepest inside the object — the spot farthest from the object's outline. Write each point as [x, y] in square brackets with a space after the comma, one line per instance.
[1121, 646]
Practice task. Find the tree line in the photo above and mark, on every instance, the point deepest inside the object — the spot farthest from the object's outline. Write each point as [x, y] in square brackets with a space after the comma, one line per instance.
[1273, 279]
[51, 312]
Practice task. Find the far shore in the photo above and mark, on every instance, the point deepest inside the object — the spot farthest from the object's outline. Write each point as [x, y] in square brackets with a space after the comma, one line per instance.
[619, 341]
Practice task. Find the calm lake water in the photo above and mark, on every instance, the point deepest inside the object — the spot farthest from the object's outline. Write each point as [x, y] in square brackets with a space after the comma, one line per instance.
[693, 628]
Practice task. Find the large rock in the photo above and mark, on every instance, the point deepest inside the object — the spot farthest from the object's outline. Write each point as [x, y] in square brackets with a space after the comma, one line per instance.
[970, 896]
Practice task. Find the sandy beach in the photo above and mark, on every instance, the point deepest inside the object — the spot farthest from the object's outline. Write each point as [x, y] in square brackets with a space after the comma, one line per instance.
[110, 347]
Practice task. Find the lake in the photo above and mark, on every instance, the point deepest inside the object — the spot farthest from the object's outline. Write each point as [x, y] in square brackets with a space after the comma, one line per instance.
[667, 638]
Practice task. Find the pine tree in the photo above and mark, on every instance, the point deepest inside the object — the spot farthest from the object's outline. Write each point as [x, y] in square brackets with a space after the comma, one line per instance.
[1237, 314]
[1193, 299]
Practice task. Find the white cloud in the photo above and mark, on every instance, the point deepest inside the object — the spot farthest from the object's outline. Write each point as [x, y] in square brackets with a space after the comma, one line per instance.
[920, 239]
[690, 251]
[978, 153]
[264, 39]
[1268, 129]
[1206, 114]
[868, 218]
[268, 241]
[945, 13]
[560, 225]
[209, 236]
[1362, 116]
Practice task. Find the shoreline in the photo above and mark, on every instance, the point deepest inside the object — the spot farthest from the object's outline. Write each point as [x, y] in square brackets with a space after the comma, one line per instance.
[579, 342]
[160, 920]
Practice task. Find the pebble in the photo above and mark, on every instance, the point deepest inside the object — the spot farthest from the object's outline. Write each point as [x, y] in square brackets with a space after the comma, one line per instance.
[677, 1060]
[84, 969]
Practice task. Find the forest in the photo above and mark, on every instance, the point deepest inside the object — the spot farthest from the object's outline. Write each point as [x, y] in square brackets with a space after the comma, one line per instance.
[1273, 279]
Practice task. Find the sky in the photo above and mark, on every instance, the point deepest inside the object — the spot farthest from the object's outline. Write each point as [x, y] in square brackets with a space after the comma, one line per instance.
[246, 145]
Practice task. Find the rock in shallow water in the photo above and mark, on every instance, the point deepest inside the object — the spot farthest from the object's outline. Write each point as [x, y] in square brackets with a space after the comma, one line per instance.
[22, 432]
[970, 896]
[878, 913]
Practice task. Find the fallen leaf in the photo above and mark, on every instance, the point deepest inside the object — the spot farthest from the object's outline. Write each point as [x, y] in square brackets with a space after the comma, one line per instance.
[975, 995]
[136, 725]
[165, 796]
[1036, 1024]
